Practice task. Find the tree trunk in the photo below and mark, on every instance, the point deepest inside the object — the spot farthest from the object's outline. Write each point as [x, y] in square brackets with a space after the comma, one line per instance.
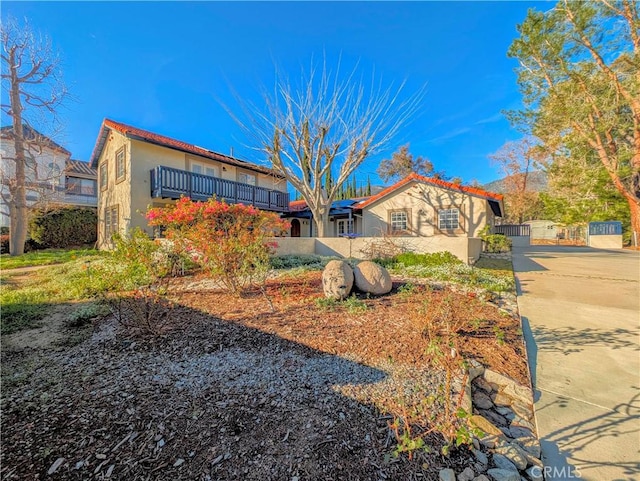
[634, 207]
[18, 228]
[321, 221]
[18, 204]
[323, 226]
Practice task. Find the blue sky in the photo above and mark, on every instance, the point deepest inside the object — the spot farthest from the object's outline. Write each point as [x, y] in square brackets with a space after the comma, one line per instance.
[167, 66]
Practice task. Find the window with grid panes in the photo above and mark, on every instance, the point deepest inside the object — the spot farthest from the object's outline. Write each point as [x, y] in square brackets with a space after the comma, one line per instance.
[448, 219]
[103, 176]
[399, 221]
[110, 221]
[120, 164]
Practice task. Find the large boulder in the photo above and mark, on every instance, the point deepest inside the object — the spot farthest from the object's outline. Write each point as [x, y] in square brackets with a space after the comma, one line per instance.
[337, 280]
[372, 278]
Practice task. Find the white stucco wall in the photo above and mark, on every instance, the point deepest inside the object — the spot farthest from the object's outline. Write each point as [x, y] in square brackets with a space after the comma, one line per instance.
[605, 241]
[462, 247]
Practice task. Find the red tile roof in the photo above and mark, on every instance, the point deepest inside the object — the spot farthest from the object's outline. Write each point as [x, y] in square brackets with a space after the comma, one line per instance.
[150, 137]
[297, 205]
[428, 180]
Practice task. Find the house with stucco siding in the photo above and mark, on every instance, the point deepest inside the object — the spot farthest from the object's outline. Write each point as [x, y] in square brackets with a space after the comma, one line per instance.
[416, 206]
[138, 169]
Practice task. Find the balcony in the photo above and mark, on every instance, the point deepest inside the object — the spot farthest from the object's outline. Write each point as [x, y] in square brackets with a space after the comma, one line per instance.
[169, 183]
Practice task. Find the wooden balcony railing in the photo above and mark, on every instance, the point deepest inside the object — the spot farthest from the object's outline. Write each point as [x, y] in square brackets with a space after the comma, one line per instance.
[170, 183]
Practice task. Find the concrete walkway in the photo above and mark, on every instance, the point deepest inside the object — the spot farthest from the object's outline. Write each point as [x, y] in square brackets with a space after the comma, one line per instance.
[580, 309]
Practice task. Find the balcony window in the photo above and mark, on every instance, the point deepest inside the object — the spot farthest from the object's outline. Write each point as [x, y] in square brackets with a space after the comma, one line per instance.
[245, 178]
[78, 186]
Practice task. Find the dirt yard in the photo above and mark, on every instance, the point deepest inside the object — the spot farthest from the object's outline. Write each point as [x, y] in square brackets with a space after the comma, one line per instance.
[233, 390]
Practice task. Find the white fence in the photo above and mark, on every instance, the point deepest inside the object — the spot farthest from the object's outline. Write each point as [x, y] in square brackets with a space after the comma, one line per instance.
[467, 249]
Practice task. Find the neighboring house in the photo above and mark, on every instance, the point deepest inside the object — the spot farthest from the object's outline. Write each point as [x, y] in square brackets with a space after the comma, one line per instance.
[52, 178]
[416, 206]
[81, 184]
[138, 169]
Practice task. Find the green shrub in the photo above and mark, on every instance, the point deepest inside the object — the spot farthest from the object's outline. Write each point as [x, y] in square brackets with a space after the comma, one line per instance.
[496, 243]
[64, 227]
[355, 305]
[326, 303]
[428, 260]
[84, 314]
[292, 261]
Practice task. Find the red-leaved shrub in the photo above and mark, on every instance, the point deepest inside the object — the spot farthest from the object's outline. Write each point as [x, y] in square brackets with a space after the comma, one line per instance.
[230, 242]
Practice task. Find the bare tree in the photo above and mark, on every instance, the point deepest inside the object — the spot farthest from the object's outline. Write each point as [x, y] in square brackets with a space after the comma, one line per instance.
[516, 160]
[402, 163]
[327, 125]
[33, 87]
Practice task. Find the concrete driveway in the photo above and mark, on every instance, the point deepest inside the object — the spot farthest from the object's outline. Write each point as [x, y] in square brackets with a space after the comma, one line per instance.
[580, 309]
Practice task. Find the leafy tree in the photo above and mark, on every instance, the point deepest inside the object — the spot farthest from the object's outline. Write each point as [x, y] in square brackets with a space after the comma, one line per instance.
[516, 161]
[580, 77]
[580, 191]
[33, 90]
[402, 163]
[328, 121]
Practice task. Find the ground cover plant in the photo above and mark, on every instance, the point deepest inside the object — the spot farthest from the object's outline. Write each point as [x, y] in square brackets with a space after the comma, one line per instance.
[45, 257]
[28, 296]
[489, 274]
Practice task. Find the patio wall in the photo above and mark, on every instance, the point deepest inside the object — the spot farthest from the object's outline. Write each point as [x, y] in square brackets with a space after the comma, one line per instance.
[465, 248]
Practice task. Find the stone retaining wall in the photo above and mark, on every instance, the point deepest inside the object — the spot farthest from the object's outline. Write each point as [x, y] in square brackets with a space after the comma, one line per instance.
[496, 255]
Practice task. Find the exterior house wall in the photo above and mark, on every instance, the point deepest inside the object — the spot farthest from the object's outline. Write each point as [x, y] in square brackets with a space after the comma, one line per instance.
[114, 194]
[422, 203]
[305, 229]
[144, 158]
[231, 172]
